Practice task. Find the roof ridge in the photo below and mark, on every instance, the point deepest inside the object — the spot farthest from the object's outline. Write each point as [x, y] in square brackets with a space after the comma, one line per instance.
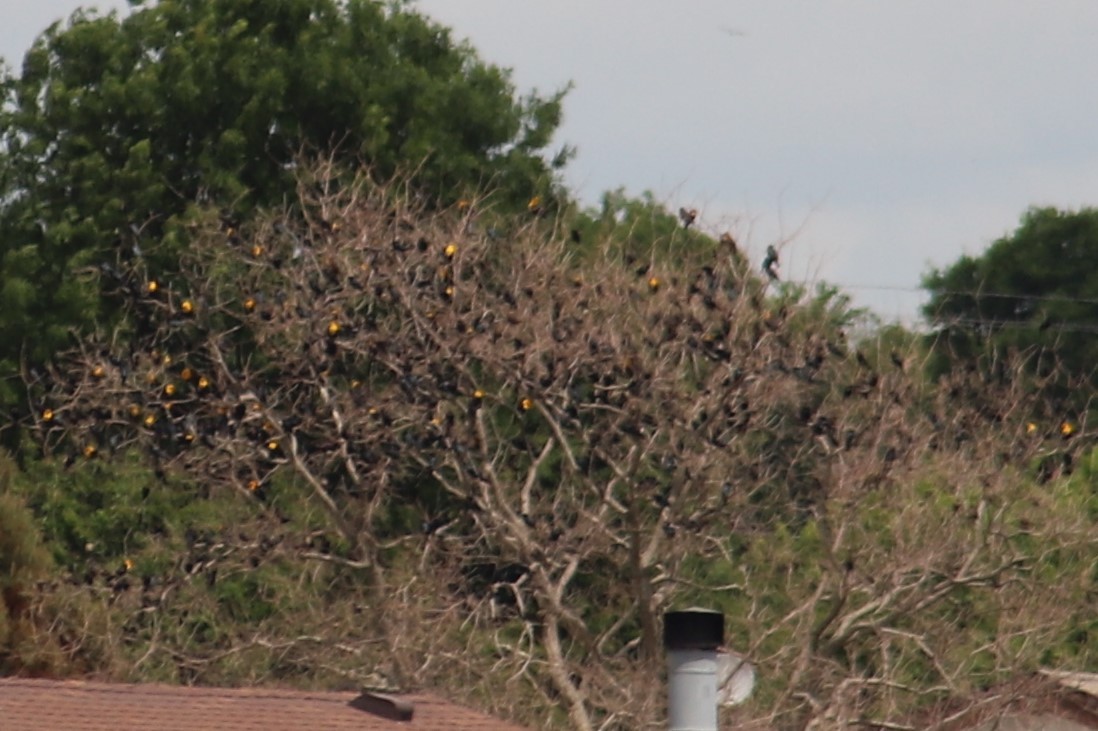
[44, 704]
[99, 686]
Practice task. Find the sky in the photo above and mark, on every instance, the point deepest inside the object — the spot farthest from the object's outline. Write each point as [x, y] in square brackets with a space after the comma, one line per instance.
[868, 140]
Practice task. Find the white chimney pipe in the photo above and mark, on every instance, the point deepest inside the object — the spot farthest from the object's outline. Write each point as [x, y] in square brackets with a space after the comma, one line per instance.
[692, 638]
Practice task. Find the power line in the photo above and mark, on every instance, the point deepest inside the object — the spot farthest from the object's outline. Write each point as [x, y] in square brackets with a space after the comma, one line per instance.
[1023, 322]
[1062, 327]
[975, 294]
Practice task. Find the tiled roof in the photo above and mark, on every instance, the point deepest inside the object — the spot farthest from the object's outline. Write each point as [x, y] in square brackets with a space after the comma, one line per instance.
[53, 705]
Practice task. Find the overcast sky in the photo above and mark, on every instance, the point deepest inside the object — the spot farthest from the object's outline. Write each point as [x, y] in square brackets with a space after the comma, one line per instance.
[876, 138]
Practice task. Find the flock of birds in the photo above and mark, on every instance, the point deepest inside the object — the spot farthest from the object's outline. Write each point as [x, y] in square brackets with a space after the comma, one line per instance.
[366, 382]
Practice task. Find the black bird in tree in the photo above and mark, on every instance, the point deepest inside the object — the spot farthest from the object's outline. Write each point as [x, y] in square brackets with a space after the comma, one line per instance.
[770, 263]
[688, 216]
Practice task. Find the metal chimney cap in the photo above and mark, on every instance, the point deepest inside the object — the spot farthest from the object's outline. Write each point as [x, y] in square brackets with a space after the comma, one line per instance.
[384, 706]
[693, 629]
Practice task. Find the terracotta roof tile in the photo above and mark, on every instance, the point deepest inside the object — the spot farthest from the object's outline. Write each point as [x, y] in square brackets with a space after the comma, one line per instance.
[53, 705]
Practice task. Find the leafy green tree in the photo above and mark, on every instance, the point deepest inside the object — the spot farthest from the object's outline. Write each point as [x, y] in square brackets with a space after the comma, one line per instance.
[1032, 295]
[520, 460]
[116, 126]
[644, 232]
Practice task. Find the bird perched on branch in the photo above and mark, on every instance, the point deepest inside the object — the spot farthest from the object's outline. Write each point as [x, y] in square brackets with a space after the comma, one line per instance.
[770, 263]
[688, 216]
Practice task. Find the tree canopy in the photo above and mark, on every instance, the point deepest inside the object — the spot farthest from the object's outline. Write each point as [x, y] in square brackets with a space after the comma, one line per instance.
[116, 126]
[518, 460]
[339, 403]
[1032, 294]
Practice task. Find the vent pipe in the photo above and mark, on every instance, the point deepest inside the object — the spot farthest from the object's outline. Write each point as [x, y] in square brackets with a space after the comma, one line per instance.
[692, 638]
[385, 706]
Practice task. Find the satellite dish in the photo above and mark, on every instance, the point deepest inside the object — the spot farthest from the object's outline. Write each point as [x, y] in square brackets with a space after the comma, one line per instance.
[735, 678]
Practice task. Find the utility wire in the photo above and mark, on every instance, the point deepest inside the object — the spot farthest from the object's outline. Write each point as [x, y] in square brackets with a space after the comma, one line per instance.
[1062, 327]
[1024, 322]
[971, 293]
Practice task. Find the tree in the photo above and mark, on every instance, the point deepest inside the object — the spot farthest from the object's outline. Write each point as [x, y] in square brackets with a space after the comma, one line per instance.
[116, 127]
[1032, 295]
[522, 463]
[23, 561]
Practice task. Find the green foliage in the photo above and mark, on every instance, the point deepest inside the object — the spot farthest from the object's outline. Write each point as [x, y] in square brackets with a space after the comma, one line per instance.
[1031, 294]
[20, 548]
[119, 125]
[502, 447]
[640, 229]
[21, 552]
[103, 512]
[24, 560]
[145, 562]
